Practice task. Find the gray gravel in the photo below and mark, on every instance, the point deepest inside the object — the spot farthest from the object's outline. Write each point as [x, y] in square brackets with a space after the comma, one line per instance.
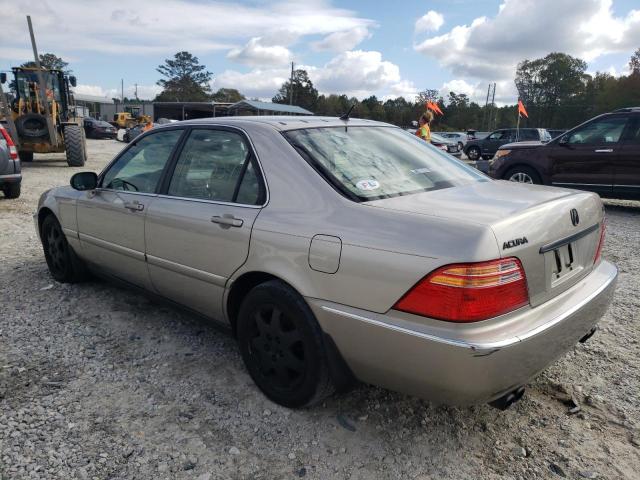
[99, 382]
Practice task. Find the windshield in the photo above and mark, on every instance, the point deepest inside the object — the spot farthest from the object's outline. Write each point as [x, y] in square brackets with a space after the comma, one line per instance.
[27, 84]
[369, 163]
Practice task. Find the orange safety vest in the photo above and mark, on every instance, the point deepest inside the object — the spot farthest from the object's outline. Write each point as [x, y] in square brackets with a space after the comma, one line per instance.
[424, 132]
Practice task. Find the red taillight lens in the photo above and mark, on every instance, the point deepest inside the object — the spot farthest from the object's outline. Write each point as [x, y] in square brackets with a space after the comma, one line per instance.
[468, 292]
[603, 232]
[13, 152]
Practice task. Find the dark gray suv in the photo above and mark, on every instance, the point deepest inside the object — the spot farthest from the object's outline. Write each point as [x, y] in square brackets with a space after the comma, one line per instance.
[487, 147]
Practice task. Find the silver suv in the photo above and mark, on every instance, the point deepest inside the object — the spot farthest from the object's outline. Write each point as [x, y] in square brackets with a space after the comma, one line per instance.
[10, 176]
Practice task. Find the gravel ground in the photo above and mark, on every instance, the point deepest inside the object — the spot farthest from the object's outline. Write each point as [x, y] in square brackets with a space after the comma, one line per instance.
[99, 382]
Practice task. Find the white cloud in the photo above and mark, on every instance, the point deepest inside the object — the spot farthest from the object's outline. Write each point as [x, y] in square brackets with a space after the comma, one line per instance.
[506, 91]
[142, 28]
[355, 73]
[342, 41]
[490, 48]
[430, 22]
[255, 53]
[258, 83]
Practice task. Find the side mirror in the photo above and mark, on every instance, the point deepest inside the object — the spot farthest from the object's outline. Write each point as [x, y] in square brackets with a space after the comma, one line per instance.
[564, 140]
[72, 81]
[84, 181]
[3, 78]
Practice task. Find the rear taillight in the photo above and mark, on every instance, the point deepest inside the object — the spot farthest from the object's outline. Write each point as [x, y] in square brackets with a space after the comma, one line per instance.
[468, 292]
[13, 151]
[603, 231]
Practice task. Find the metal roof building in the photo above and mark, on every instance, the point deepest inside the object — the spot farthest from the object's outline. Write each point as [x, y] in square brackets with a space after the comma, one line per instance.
[254, 107]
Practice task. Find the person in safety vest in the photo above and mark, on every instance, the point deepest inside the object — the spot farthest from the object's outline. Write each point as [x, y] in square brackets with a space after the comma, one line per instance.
[424, 130]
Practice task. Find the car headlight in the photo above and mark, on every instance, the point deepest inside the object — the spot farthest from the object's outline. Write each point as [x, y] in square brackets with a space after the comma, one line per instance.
[502, 153]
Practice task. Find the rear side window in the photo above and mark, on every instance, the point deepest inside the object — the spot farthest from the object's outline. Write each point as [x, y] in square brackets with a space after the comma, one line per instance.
[139, 169]
[367, 163]
[528, 135]
[216, 165]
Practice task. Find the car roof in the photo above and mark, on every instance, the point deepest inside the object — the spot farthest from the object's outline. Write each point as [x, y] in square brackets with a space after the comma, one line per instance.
[285, 122]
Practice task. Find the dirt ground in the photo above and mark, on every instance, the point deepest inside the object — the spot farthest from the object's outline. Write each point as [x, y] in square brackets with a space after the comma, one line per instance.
[99, 382]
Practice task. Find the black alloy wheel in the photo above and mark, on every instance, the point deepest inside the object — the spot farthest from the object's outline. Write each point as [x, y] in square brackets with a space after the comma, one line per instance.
[61, 259]
[473, 153]
[281, 345]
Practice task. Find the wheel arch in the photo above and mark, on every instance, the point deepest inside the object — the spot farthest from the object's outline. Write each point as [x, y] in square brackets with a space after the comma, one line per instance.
[43, 213]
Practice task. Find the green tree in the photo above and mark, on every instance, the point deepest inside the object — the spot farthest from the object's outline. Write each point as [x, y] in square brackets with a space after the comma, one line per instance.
[304, 93]
[230, 95]
[186, 80]
[50, 61]
[634, 63]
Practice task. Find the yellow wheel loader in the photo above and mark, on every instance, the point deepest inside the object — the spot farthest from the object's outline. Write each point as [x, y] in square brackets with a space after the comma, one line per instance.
[29, 115]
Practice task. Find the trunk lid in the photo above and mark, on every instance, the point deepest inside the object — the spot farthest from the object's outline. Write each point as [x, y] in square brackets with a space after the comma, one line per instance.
[531, 222]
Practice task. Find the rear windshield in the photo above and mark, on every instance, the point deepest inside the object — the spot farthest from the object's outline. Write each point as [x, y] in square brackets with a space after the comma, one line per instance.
[369, 163]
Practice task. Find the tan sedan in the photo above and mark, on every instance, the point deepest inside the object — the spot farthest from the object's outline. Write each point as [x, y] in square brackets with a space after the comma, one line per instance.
[340, 249]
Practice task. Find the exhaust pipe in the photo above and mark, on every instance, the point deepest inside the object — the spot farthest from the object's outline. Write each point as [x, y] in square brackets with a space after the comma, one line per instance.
[508, 399]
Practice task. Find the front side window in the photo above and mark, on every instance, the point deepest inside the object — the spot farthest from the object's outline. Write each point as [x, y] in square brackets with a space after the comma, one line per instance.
[216, 165]
[603, 131]
[139, 168]
[367, 163]
[497, 135]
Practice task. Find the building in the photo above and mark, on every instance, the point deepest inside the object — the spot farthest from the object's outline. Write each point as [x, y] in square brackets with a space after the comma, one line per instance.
[90, 105]
[254, 107]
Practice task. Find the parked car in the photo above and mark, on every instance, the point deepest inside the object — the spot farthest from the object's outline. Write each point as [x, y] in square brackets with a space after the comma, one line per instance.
[446, 145]
[601, 155]
[10, 170]
[459, 137]
[486, 148]
[335, 249]
[476, 135]
[94, 128]
[134, 132]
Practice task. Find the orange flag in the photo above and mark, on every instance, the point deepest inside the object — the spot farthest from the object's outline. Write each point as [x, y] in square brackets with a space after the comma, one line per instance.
[521, 109]
[434, 107]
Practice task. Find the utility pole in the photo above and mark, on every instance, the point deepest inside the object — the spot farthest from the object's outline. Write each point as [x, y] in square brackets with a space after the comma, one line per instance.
[291, 86]
[136, 94]
[486, 106]
[42, 86]
[122, 91]
[494, 110]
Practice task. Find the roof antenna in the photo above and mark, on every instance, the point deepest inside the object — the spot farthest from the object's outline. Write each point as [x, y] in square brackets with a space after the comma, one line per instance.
[345, 116]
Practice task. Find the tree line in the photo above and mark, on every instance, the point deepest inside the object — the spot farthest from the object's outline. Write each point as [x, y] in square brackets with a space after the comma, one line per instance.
[556, 90]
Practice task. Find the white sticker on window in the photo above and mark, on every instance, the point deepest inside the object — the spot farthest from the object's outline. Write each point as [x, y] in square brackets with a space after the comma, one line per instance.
[368, 185]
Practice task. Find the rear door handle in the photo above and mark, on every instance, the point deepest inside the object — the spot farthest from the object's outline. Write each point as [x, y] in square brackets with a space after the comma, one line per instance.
[227, 220]
[603, 150]
[135, 206]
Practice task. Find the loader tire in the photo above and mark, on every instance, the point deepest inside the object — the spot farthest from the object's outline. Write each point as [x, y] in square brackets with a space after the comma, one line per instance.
[32, 125]
[75, 145]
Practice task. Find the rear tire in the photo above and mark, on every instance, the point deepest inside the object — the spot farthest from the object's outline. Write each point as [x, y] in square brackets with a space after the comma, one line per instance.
[63, 263]
[473, 153]
[75, 145]
[282, 346]
[11, 190]
[25, 156]
[523, 174]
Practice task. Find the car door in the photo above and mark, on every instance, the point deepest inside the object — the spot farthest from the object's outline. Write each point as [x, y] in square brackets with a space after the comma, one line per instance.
[199, 227]
[585, 157]
[491, 144]
[626, 176]
[111, 217]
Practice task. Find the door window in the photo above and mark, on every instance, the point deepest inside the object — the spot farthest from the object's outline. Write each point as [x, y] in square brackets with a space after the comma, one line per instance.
[139, 169]
[216, 165]
[606, 130]
[497, 135]
[633, 133]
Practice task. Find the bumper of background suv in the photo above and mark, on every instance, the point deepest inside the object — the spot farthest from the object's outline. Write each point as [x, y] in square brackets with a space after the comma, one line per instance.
[462, 364]
[11, 178]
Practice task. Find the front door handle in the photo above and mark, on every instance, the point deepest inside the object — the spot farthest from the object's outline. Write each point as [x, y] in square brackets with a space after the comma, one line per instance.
[135, 206]
[603, 150]
[227, 220]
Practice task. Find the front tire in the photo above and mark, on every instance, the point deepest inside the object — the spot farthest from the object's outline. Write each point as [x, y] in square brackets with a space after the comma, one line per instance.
[62, 261]
[75, 145]
[11, 190]
[282, 347]
[473, 153]
[523, 174]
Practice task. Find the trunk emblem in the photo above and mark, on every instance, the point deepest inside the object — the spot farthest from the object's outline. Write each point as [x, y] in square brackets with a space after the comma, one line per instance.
[514, 243]
[575, 218]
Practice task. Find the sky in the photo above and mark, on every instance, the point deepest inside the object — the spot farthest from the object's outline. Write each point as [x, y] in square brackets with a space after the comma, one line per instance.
[360, 48]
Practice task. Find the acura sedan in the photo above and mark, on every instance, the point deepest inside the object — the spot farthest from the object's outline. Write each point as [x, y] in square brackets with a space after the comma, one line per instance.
[342, 249]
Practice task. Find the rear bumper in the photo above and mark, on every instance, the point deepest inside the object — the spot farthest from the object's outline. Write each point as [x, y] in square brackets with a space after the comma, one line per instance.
[11, 178]
[462, 364]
